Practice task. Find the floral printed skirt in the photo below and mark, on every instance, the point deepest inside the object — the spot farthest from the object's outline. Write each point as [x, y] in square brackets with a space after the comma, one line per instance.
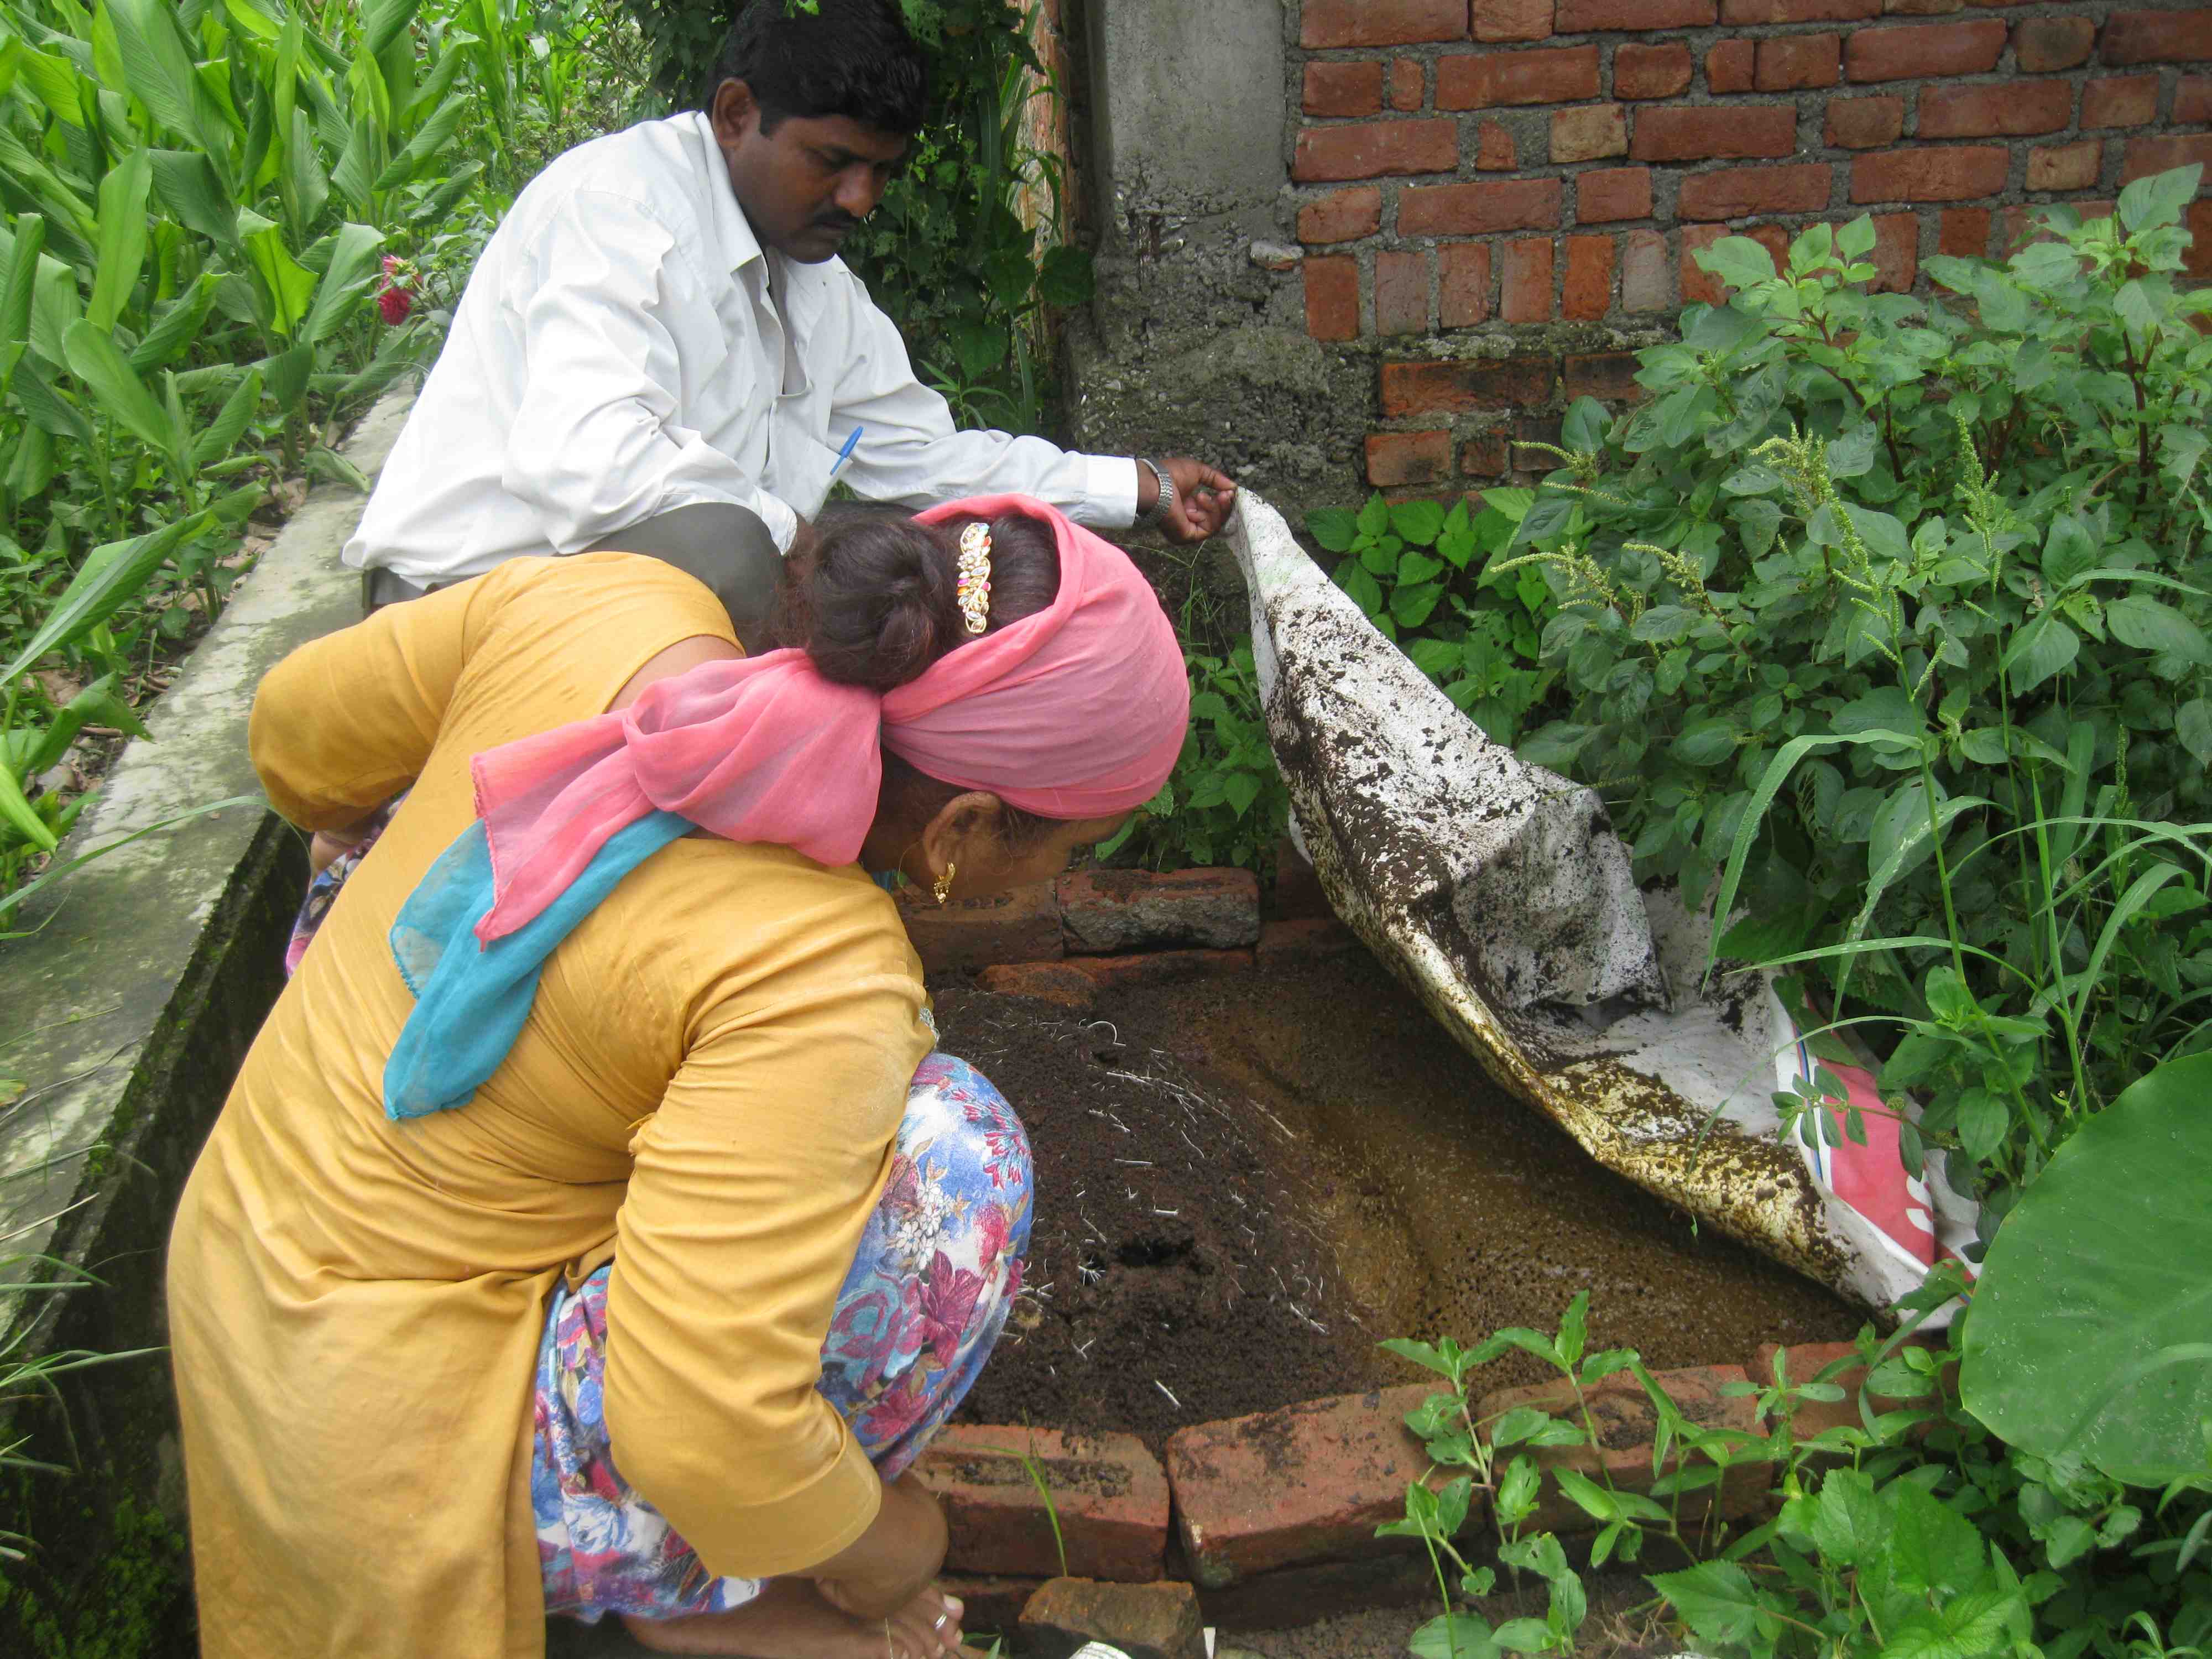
[928, 1294]
[936, 1274]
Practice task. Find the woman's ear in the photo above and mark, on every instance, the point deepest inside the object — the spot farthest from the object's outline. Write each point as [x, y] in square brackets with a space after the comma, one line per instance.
[966, 835]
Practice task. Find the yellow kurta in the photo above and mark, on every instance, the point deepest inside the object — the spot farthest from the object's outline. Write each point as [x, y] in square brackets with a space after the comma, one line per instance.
[710, 1082]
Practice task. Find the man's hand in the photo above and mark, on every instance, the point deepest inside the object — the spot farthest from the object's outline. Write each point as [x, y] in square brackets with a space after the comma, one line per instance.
[1203, 499]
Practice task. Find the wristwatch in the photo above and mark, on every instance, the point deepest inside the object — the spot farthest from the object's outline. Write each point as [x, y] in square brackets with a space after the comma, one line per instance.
[1167, 491]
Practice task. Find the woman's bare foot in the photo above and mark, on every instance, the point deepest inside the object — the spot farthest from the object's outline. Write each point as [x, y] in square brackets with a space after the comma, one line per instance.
[791, 1621]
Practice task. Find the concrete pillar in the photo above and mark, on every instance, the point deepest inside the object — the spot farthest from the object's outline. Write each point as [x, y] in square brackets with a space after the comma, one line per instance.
[1196, 343]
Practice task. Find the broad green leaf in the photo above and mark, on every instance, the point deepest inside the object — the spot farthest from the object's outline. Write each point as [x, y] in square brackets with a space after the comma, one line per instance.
[1705, 742]
[1584, 427]
[383, 21]
[1586, 1494]
[49, 411]
[1417, 523]
[433, 137]
[1418, 566]
[1850, 1523]
[18, 292]
[123, 236]
[1716, 1599]
[1333, 528]
[1453, 1636]
[157, 65]
[230, 423]
[352, 266]
[177, 327]
[2045, 647]
[1738, 261]
[190, 187]
[2109, 1359]
[287, 285]
[94, 359]
[2159, 199]
[1374, 516]
[1933, 1548]
[112, 574]
[2148, 624]
[1852, 456]
[2192, 723]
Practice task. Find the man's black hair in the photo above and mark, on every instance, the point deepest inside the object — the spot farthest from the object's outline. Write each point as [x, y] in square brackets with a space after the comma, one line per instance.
[849, 58]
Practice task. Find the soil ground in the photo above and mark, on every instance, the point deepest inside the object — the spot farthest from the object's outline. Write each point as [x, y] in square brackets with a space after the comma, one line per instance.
[1244, 1183]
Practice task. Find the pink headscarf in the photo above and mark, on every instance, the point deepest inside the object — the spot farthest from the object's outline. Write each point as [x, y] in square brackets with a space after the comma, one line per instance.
[1077, 712]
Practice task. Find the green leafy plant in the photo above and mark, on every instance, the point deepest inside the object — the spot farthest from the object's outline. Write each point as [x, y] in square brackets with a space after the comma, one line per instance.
[1911, 1533]
[1425, 577]
[1226, 802]
[1899, 610]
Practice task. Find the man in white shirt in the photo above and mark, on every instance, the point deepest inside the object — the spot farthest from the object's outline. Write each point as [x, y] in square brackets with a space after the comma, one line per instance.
[660, 352]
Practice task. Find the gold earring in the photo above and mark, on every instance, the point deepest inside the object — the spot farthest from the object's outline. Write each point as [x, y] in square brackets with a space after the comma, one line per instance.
[943, 889]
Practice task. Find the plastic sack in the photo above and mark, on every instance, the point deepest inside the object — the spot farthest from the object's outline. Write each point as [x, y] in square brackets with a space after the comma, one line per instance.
[1499, 893]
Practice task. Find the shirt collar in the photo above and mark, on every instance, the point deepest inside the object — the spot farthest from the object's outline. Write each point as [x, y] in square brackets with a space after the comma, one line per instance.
[733, 232]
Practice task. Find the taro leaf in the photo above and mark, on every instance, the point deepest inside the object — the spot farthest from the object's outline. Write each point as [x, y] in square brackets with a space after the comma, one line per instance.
[2149, 625]
[2088, 1333]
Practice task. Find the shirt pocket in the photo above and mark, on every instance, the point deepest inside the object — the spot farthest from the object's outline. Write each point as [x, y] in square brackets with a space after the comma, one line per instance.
[801, 463]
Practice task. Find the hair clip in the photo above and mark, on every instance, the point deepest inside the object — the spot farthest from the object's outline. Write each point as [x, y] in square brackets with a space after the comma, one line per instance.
[975, 576]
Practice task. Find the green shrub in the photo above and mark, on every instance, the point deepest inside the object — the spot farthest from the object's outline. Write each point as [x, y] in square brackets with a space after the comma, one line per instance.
[1226, 802]
[1905, 605]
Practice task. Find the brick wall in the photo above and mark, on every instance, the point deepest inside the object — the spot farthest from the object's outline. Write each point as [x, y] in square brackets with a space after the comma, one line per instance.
[1500, 199]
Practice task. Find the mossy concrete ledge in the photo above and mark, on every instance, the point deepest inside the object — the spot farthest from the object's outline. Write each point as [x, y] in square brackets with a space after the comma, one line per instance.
[125, 1016]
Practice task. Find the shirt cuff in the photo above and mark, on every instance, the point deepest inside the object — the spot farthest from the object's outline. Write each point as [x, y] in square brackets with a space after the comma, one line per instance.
[781, 520]
[1110, 483]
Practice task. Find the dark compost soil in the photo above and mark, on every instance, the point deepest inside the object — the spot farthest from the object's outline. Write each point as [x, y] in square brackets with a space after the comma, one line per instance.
[1244, 1183]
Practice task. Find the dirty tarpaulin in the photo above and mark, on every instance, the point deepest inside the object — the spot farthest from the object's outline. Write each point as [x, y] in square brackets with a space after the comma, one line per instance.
[1499, 893]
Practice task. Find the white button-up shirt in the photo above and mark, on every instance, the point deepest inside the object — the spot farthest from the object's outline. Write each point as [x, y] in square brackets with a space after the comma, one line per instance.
[626, 347]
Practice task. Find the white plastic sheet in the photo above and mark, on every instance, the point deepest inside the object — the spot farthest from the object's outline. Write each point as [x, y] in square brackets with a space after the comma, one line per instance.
[1499, 893]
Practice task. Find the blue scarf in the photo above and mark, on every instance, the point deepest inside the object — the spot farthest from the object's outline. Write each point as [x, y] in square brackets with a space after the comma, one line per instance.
[470, 1001]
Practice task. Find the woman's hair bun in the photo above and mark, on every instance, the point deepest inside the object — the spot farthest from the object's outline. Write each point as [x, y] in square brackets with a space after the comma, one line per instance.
[878, 601]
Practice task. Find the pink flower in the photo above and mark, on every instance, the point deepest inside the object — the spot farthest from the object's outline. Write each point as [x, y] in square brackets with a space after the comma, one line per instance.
[394, 304]
[948, 1295]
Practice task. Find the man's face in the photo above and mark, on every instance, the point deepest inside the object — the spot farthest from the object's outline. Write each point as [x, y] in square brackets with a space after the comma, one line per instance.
[806, 185]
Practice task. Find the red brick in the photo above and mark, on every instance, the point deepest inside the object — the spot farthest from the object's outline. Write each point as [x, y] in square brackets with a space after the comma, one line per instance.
[1295, 893]
[1963, 232]
[1586, 293]
[1700, 286]
[1912, 52]
[1896, 252]
[1153, 1619]
[1609, 376]
[1307, 1483]
[1530, 429]
[1641, 71]
[1626, 1424]
[1589, 133]
[1798, 11]
[1463, 284]
[1494, 150]
[2197, 260]
[1343, 89]
[1525, 291]
[1021, 926]
[1313, 939]
[1407, 457]
[1512, 20]
[1402, 293]
[1957, 174]
[1864, 123]
[1479, 209]
[1333, 299]
[1484, 457]
[1731, 66]
[1376, 147]
[2128, 100]
[2159, 37]
[1409, 83]
[1344, 216]
[1673, 134]
[1646, 284]
[2192, 101]
[1111, 1494]
[2014, 108]
[1454, 388]
[1609, 193]
[1739, 192]
[1587, 16]
[1169, 967]
[1546, 74]
[2065, 167]
[2148, 156]
[1381, 22]
[1109, 912]
[2041, 45]
[1931, 8]
[1789, 62]
[1044, 981]
[1305, 1596]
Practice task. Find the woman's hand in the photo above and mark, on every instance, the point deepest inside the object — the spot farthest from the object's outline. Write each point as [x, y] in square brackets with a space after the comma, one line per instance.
[881, 1574]
[329, 846]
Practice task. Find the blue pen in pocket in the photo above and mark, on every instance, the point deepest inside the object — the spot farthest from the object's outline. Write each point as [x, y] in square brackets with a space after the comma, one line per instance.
[846, 453]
